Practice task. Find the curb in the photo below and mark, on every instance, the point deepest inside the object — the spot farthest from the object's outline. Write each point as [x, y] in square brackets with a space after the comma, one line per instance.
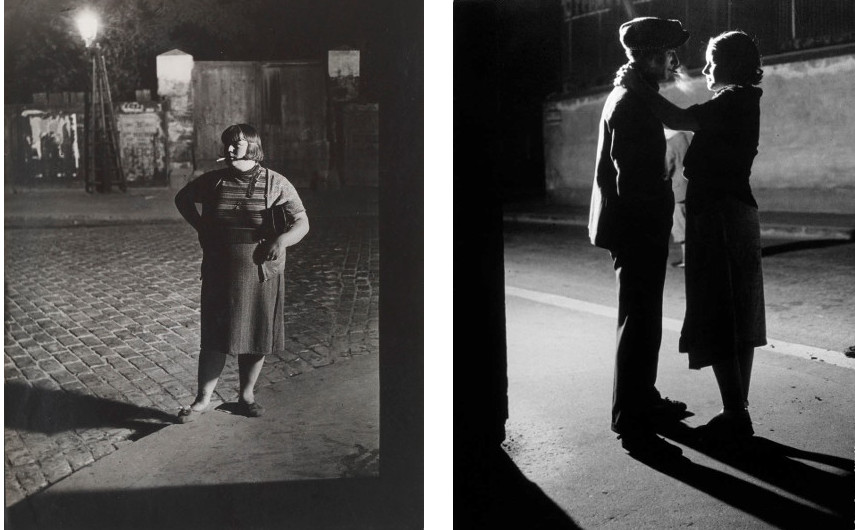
[23, 222]
[14, 223]
[807, 232]
[768, 230]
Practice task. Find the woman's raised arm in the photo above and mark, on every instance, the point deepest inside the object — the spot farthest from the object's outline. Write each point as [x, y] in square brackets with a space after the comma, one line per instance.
[669, 114]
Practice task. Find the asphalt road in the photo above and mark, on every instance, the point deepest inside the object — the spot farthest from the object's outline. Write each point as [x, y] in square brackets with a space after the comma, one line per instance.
[795, 473]
[809, 285]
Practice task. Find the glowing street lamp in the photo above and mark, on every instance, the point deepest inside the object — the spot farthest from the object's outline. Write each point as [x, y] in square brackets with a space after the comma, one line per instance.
[87, 24]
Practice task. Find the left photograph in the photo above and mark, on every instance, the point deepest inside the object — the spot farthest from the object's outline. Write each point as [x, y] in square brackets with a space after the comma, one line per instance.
[192, 262]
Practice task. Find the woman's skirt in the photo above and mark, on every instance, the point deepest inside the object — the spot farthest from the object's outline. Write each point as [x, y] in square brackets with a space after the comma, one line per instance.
[240, 313]
[725, 307]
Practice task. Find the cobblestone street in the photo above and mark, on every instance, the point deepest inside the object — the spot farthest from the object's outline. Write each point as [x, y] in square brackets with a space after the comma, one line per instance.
[102, 333]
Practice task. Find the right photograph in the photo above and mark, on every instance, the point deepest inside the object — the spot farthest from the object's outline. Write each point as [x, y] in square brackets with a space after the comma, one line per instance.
[659, 201]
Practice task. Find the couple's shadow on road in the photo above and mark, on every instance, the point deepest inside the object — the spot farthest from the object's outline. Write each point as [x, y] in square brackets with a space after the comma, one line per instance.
[825, 488]
[34, 409]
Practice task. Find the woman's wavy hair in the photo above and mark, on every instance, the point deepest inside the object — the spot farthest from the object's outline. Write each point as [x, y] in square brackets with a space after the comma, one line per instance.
[232, 134]
[736, 53]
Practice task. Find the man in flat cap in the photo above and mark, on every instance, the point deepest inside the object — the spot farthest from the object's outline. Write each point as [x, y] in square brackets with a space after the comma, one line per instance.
[631, 215]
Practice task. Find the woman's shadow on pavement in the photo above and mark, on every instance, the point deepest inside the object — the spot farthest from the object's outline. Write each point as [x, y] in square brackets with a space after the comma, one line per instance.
[51, 411]
[825, 495]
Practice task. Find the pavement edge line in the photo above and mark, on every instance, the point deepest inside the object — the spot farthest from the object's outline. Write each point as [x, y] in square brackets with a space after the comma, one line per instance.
[808, 353]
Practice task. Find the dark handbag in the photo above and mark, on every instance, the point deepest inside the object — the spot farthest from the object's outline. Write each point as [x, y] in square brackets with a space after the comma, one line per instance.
[275, 221]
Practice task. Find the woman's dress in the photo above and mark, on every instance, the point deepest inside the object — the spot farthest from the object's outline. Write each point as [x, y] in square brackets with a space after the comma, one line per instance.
[725, 313]
[242, 313]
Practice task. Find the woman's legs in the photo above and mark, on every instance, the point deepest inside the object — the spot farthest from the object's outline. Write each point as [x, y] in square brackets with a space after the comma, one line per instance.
[729, 379]
[733, 377]
[746, 362]
[249, 368]
[210, 367]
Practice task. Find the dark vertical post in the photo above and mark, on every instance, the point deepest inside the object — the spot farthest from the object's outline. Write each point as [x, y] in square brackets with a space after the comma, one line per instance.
[91, 143]
[111, 129]
[400, 74]
[87, 141]
[102, 135]
[480, 360]
[567, 47]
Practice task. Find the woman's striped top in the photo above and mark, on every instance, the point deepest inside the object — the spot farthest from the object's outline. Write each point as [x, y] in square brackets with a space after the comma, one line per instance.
[240, 199]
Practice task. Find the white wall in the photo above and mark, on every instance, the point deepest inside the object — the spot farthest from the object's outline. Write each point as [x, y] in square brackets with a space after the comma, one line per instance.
[807, 137]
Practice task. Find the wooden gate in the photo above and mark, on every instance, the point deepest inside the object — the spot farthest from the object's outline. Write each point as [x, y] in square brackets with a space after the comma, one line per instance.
[224, 93]
[285, 102]
[294, 132]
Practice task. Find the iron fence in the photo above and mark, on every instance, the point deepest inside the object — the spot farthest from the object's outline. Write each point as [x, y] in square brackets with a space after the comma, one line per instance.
[778, 26]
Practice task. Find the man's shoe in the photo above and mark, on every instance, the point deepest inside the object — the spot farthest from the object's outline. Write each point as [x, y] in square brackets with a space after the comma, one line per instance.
[647, 444]
[669, 410]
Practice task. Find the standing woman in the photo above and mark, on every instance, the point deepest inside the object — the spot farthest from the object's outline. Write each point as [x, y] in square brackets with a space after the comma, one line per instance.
[243, 257]
[725, 314]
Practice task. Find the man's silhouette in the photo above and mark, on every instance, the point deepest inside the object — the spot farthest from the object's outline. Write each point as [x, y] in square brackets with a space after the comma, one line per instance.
[631, 209]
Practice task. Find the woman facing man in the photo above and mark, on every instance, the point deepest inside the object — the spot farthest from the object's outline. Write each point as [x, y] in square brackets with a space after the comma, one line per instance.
[725, 314]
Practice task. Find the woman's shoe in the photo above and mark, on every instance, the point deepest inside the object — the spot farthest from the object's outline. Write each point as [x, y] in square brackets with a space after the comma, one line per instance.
[188, 414]
[728, 424]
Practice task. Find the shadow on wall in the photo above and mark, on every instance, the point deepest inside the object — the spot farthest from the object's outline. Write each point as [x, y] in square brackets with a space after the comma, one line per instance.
[51, 411]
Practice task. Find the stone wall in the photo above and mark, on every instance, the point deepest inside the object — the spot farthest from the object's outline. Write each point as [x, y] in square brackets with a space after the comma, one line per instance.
[805, 163]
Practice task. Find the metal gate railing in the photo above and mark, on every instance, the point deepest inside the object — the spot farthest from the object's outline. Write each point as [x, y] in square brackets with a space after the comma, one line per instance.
[779, 26]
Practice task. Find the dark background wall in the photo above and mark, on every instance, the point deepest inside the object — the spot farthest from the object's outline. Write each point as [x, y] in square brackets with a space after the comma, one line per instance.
[527, 70]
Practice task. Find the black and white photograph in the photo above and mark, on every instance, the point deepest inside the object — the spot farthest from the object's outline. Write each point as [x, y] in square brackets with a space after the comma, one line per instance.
[202, 200]
[615, 239]
[654, 212]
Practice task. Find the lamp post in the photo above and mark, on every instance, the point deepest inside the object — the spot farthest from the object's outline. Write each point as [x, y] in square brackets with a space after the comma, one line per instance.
[102, 159]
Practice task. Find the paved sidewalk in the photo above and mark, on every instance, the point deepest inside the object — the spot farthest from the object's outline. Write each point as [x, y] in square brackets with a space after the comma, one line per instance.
[101, 319]
[785, 225]
[317, 446]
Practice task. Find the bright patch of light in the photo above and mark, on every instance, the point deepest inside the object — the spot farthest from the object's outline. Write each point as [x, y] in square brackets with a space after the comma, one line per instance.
[87, 24]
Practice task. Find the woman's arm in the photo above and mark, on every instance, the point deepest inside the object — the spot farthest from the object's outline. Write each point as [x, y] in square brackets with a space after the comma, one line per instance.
[187, 208]
[669, 114]
[298, 230]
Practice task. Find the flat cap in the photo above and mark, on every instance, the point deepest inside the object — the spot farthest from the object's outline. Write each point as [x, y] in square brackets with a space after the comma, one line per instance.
[651, 33]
